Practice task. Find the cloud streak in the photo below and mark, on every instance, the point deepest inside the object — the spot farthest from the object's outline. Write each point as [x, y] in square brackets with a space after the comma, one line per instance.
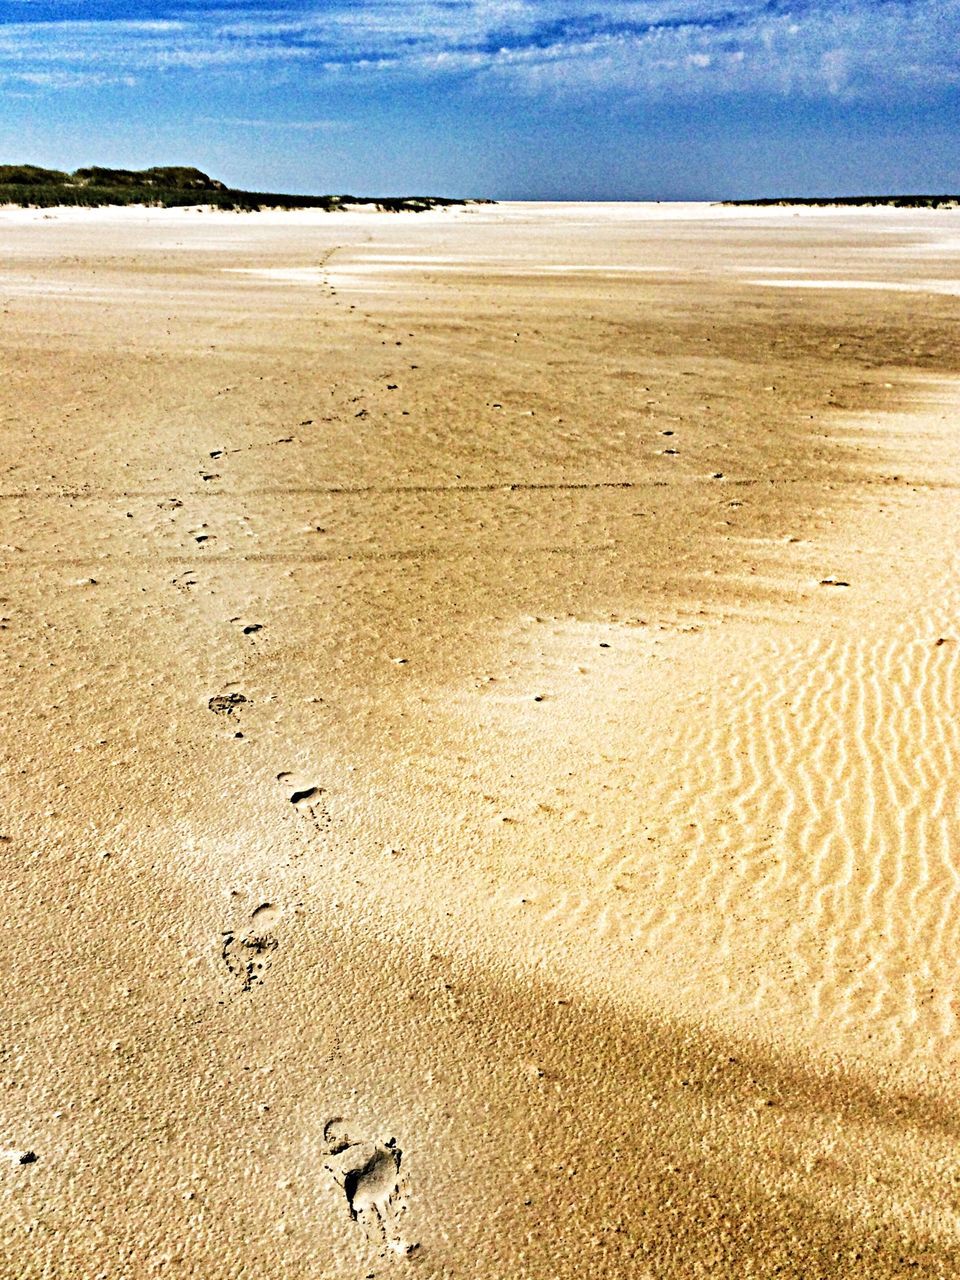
[643, 48]
[301, 126]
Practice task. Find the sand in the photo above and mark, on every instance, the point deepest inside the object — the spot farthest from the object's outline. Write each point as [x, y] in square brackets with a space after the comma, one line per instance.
[480, 698]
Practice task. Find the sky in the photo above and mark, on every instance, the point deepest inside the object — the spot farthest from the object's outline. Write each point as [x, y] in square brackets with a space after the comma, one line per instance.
[506, 99]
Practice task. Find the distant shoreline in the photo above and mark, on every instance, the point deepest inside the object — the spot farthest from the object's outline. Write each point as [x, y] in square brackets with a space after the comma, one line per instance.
[895, 202]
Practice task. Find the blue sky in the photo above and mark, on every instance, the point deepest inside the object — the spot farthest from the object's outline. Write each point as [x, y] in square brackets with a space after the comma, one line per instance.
[523, 99]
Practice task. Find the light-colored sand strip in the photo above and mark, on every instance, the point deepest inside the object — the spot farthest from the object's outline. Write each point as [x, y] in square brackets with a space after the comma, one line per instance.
[950, 288]
[373, 266]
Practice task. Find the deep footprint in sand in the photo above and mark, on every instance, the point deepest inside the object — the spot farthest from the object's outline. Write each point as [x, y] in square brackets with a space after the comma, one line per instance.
[305, 796]
[248, 628]
[368, 1173]
[247, 953]
[225, 704]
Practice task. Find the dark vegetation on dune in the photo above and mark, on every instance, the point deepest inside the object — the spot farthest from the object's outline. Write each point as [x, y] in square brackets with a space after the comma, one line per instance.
[171, 187]
[896, 202]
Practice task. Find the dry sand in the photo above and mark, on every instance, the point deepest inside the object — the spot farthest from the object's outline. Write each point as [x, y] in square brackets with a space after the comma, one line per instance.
[481, 730]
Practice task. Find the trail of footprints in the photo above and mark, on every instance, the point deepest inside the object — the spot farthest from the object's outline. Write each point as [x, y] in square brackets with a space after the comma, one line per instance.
[247, 952]
[802, 841]
[367, 1172]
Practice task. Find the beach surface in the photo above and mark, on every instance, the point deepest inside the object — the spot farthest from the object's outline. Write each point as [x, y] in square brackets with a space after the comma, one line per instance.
[481, 728]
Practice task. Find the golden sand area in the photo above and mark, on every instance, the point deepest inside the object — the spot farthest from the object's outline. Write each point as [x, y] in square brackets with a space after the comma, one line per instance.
[480, 699]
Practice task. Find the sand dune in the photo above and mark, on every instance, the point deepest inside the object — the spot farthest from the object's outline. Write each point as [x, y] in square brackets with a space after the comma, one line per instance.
[480, 743]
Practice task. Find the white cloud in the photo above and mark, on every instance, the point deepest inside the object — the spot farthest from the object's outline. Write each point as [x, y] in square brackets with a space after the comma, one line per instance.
[306, 126]
[652, 47]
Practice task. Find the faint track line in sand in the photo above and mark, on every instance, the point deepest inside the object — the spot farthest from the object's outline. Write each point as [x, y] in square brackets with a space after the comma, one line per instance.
[506, 486]
[207, 559]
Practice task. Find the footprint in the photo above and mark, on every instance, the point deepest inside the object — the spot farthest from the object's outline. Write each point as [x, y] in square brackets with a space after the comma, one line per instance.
[265, 917]
[224, 704]
[184, 581]
[299, 792]
[246, 954]
[368, 1173]
[305, 796]
[248, 628]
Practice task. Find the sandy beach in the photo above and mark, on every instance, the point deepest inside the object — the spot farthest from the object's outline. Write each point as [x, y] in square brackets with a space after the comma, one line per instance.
[481, 728]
